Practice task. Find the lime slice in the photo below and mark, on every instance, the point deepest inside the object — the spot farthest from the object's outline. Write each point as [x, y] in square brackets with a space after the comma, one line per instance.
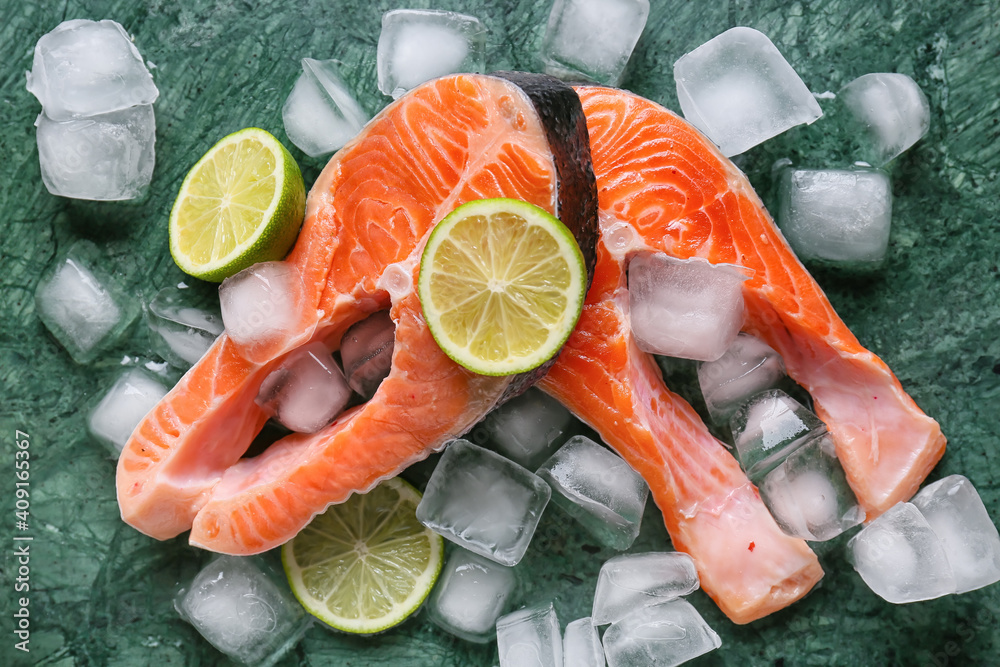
[242, 203]
[366, 564]
[502, 284]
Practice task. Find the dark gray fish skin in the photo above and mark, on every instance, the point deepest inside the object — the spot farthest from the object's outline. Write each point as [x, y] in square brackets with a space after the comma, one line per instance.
[561, 113]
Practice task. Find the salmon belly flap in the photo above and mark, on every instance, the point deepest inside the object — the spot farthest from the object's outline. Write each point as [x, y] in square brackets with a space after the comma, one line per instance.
[450, 141]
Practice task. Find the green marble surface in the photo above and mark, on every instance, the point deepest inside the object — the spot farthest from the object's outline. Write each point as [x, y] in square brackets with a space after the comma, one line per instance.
[100, 592]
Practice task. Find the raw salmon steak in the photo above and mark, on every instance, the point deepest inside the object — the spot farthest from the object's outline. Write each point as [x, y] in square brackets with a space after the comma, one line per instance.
[448, 142]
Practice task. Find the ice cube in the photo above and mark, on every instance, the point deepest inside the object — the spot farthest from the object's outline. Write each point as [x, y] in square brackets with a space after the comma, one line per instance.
[133, 394]
[470, 595]
[748, 366]
[592, 39]
[530, 638]
[182, 329]
[633, 581]
[836, 216]
[417, 45]
[684, 308]
[84, 68]
[582, 645]
[321, 114]
[366, 352]
[740, 91]
[528, 428]
[107, 157]
[767, 428]
[956, 513]
[597, 488]
[84, 307]
[306, 391]
[243, 610]
[260, 305]
[892, 110]
[663, 635]
[808, 494]
[901, 558]
[483, 502]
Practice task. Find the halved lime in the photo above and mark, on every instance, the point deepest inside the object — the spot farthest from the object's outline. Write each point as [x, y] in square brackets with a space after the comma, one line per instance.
[240, 204]
[502, 284]
[366, 564]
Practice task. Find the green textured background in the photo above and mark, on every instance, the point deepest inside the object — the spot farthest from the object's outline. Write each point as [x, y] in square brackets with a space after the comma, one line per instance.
[100, 592]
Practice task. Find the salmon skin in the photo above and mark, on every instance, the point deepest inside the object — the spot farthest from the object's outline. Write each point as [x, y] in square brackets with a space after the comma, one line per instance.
[662, 187]
[450, 141]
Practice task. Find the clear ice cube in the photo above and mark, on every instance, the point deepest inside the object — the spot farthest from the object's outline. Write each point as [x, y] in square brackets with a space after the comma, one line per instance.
[592, 39]
[366, 352]
[837, 216]
[530, 638]
[306, 391]
[582, 645]
[740, 91]
[767, 428]
[107, 157]
[597, 488]
[892, 110]
[182, 327]
[808, 494]
[242, 609]
[417, 45]
[956, 513]
[470, 595]
[84, 68]
[483, 502]
[684, 308]
[748, 366]
[633, 581]
[901, 558]
[664, 635]
[528, 428]
[133, 394]
[260, 305]
[321, 114]
[84, 307]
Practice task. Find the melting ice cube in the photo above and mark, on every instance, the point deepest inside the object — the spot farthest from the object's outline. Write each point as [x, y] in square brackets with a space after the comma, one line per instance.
[582, 645]
[260, 304]
[901, 558]
[808, 494]
[84, 68]
[530, 638]
[81, 305]
[836, 216]
[483, 502]
[592, 39]
[768, 428]
[417, 45]
[321, 114]
[528, 428]
[632, 581]
[740, 91]
[133, 394]
[956, 514]
[306, 391]
[366, 352]
[684, 308]
[748, 366]
[104, 157]
[892, 111]
[243, 610]
[181, 329]
[667, 634]
[597, 488]
[470, 595]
